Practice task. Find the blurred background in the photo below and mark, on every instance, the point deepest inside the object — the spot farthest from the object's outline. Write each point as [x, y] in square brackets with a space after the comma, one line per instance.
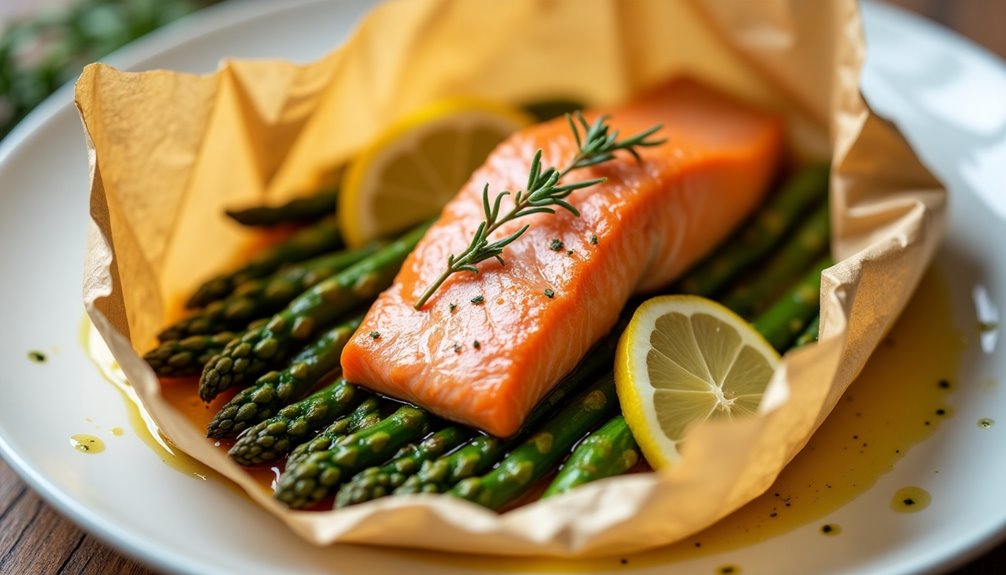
[45, 43]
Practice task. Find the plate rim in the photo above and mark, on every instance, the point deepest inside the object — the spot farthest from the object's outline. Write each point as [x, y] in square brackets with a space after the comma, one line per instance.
[236, 14]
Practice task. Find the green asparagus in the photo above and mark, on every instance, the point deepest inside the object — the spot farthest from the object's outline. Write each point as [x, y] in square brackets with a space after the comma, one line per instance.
[375, 482]
[249, 356]
[807, 244]
[541, 452]
[270, 440]
[789, 315]
[297, 211]
[545, 110]
[262, 297]
[761, 234]
[365, 415]
[483, 451]
[319, 474]
[612, 450]
[609, 451]
[278, 388]
[810, 333]
[312, 241]
[181, 357]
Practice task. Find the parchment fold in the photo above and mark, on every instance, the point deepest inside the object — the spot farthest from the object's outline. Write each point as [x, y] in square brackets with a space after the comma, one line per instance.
[169, 151]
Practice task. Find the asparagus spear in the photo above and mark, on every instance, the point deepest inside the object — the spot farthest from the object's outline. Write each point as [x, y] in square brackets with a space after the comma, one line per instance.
[307, 243]
[180, 357]
[270, 440]
[297, 211]
[810, 333]
[789, 315]
[278, 388]
[761, 233]
[438, 475]
[609, 451]
[262, 297]
[365, 415]
[483, 451]
[375, 482]
[541, 452]
[801, 249]
[309, 480]
[544, 110]
[249, 356]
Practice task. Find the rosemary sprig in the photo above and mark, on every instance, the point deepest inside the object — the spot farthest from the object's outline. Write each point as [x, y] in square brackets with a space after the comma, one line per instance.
[597, 145]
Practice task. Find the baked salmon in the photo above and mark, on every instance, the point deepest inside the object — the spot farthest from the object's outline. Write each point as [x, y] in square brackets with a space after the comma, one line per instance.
[488, 346]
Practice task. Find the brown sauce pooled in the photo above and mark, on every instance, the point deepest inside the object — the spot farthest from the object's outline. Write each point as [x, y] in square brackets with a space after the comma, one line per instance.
[87, 443]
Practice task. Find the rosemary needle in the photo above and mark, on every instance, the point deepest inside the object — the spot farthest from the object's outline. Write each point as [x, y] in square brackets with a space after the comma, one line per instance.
[597, 145]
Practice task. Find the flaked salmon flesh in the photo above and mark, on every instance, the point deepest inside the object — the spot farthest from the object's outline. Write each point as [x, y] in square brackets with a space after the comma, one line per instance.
[488, 346]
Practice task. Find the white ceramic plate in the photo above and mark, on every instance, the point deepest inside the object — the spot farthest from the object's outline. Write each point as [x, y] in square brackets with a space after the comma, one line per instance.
[948, 96]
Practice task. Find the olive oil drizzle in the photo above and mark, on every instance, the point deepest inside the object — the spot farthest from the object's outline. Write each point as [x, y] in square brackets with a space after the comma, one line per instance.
[139, 420]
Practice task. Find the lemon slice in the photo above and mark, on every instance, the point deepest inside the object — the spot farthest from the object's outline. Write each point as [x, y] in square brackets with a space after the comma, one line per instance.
[683, 360]
[420, 162]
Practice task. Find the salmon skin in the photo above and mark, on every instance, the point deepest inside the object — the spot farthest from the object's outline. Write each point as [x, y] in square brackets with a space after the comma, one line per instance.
[488, 346]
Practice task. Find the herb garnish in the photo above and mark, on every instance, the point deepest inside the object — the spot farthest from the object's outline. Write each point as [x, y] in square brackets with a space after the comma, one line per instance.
[549, 293]
[478, 300]
[597, 145]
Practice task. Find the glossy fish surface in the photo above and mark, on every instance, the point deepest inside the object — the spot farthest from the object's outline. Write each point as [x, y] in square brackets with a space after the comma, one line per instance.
[488, 346]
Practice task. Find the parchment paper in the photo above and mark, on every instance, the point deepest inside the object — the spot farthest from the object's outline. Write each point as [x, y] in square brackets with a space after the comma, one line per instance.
[169, 151]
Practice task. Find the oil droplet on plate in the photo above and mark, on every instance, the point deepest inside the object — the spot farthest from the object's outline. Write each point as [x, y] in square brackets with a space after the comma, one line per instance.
[139, 419]
[86, 443]
[910, 499]
[831, 529]
[986, 423]
[37, 356]
[117, 431]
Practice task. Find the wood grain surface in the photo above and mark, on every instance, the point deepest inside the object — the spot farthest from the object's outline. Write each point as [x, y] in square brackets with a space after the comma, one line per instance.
[35, 539]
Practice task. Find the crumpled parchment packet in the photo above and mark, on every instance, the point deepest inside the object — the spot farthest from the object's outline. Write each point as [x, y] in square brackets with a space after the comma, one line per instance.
[169, 151]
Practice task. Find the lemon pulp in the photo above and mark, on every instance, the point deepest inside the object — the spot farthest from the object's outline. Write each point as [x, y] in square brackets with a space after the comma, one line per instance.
[419, 163]
[683, 360]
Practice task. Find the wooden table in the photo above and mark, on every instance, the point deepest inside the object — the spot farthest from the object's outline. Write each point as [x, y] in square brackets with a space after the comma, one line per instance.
[35, 539]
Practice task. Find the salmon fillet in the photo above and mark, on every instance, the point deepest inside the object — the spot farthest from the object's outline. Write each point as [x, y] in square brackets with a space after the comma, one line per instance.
[488, 346]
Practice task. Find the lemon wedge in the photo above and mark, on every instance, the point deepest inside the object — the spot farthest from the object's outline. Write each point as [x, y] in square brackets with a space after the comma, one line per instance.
[683, 360]
[419, 163]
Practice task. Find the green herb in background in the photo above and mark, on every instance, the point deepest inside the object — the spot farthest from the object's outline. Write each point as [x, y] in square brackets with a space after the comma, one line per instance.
[40, 54]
